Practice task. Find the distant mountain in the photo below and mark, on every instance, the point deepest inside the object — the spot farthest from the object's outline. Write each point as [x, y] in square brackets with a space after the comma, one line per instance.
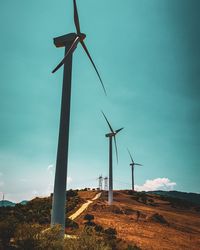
[191, 197]
[6, 203]
[23, 202]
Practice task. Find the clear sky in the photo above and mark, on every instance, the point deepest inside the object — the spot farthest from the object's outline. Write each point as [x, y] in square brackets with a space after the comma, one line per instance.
[147, 52]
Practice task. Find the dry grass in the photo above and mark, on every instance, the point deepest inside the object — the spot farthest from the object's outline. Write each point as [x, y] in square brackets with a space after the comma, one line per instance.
[87, 195]
[181, 232]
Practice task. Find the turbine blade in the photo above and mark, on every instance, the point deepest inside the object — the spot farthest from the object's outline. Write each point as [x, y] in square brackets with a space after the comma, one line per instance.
[116, 148]
[117, 131]
[130, 156]
[71, 49]
[88, 54]
[137, 164]
[108, 123]
[76, 19]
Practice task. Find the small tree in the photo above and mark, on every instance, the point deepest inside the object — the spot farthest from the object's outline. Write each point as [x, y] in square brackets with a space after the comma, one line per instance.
[6, 232]
[52, 238]
[28, 236]
[71, 224]
[87, 239]
[99, 229]
[110, 236]
[89, 218]
[111, 233]
[133, 247]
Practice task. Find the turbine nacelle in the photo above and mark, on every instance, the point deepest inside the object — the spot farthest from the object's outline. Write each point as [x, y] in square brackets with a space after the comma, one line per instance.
[113, 133]
[135, 164]
[110, 134]
[82, 36]
[61, 41]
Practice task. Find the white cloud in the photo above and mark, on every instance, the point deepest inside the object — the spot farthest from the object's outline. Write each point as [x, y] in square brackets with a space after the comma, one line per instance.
[156, 184]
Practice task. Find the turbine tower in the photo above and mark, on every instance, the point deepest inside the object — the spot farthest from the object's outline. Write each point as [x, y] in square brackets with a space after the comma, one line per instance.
[100, 182]
[69, 42]
[133, 164]
[106, 183]
[3, 198]
[111, 135]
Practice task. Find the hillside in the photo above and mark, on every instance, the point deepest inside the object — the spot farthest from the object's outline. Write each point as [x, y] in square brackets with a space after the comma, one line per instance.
[190, 197]
[150, 221]
[147, 220]
[7, 203]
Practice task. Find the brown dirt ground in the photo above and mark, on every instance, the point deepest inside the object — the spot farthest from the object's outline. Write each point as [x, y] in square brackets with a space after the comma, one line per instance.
[87, 195]
[182, 230]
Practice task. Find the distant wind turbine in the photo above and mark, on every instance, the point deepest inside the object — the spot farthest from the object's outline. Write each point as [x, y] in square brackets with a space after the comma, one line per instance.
[70, 42]
[3, 198]
[110, 136]
[133, 164]
[100, 179]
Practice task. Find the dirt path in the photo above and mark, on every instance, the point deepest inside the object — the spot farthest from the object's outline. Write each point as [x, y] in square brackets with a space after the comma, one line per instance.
[84, 207]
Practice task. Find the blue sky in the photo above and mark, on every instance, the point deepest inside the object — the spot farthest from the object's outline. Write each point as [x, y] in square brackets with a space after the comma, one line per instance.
[148, 55]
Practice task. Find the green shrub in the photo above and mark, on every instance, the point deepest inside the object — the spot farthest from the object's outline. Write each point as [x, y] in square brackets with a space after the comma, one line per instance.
[89, 217]
[7, 229]
[87, 240]
[71, 224]
[99, 229]
[111, 232]
[133, 247]
[27, 236]
[71, 193]
[52, 238]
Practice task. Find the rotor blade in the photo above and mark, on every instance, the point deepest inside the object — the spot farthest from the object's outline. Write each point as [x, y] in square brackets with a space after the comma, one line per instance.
[116, 148]
[137, 164]
[130, 156]
[88, 54]
[76, 19]
[117, 131]
[71, 49]
[108, 123]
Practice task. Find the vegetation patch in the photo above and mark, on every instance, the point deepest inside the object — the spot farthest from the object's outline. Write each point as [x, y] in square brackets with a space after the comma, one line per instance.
[158, 218]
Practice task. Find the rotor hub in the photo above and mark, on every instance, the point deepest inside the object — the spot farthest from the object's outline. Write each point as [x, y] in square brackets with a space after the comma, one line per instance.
[82, 36]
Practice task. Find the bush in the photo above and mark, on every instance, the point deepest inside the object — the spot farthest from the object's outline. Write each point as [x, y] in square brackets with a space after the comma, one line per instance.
[52, 238]
[71, 193]
[71, 224]
[133, 247]
[131, 192]
[111, 233]
[28, 236]
[87, 240]
[140, 197]
[158, 218]
[99, 229]
[89, 217]
[7, 229]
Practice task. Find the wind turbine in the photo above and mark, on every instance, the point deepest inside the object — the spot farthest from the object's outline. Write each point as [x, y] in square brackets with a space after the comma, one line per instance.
[111, 135]
[3, 198]
[100, 179]
[133, 164]
[70, 42]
